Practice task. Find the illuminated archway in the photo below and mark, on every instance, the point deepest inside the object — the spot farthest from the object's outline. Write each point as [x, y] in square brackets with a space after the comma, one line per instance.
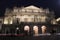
[43, 28]
[26, 28]
[35, 29]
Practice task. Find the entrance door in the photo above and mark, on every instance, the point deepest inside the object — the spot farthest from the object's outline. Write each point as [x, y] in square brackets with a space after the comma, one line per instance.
[26, 30]
[35, 29]
[43, 28]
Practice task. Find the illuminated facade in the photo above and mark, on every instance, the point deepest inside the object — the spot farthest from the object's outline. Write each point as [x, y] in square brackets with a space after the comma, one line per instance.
[28, 14]
[30, 18]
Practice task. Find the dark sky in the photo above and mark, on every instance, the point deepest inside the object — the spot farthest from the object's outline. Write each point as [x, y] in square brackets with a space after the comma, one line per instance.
[51, 4]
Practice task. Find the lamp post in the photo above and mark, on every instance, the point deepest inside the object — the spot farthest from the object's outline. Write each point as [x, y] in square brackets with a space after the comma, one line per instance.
[17, 30]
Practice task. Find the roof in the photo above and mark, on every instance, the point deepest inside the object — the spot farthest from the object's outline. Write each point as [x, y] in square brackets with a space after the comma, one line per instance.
[31, 7]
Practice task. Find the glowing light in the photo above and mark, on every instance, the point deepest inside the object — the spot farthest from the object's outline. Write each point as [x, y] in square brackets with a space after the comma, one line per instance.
[35, 28]
[58, 19]
[26, 28]
[11, 22]
[31, 7]
[43, 18]
[17, 28]
[8, 21]
[5, 22]
[43, 29]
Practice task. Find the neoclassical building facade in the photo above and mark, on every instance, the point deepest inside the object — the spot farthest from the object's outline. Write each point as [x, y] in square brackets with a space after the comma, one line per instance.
[28, 14]
[31, 18]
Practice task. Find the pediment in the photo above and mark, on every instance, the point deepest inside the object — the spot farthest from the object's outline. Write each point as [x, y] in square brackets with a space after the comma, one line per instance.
[31, 7]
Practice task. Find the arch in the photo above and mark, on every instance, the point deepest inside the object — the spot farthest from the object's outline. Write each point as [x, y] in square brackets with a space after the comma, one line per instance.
[26, 28]
[43, 28]
[35, 29]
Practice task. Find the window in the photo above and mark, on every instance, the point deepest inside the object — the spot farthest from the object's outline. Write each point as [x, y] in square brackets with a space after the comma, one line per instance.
[29, 10]
[35, 10]
[25, 19]
[15, 10]
[23, 10]
[5, 22]
[43, 18]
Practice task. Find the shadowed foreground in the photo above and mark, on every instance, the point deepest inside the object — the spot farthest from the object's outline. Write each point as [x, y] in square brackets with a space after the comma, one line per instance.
[45, 37]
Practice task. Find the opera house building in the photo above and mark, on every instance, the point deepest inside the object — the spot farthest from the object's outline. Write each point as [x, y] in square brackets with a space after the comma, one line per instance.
[32, 19]
[28, 14]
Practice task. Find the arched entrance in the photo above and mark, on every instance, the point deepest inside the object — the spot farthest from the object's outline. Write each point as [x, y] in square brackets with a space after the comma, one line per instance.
[43, 28]
[35, 29]
[26, 29]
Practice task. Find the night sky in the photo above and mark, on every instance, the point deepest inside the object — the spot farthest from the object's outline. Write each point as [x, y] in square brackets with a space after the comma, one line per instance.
[51, 4]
